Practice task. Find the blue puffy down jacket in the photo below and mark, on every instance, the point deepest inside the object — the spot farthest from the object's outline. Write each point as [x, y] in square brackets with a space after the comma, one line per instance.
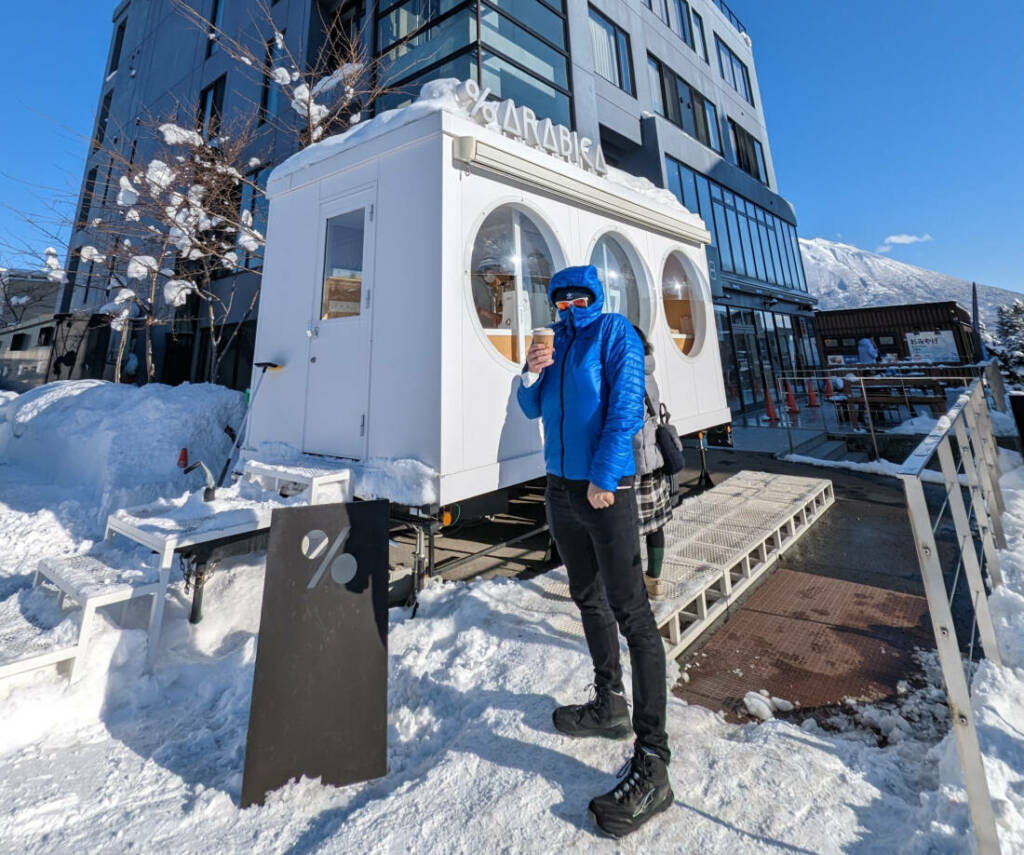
[592, 399]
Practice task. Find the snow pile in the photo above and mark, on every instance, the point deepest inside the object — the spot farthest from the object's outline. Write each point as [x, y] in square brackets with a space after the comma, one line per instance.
[118, 444]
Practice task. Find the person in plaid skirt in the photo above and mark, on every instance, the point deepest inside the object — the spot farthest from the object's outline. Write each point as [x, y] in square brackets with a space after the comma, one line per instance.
[653, 486]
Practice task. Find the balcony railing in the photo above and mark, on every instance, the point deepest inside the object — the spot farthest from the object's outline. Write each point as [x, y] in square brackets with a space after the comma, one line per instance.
[736, 22]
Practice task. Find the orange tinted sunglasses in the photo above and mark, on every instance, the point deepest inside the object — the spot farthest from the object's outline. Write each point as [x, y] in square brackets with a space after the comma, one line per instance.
[579, 303]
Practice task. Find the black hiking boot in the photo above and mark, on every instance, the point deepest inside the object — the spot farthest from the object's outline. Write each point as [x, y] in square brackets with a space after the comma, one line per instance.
[605, 714]
[642, 792]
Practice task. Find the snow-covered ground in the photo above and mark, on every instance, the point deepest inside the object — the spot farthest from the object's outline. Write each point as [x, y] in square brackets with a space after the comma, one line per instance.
[125, 760]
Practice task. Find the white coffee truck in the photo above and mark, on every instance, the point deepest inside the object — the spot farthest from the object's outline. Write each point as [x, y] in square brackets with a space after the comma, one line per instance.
[408, 261]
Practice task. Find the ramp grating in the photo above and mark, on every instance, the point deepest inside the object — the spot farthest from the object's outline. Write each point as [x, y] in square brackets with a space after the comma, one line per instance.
[719, 543]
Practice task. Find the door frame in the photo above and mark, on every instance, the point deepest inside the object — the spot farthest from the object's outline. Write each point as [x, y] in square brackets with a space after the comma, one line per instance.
[365, 197]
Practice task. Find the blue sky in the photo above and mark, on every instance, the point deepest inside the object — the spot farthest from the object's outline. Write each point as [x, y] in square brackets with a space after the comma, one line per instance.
[886, 118]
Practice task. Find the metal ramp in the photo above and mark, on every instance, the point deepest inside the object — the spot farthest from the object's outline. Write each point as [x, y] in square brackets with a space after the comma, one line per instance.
[720, 542]
[717, 545]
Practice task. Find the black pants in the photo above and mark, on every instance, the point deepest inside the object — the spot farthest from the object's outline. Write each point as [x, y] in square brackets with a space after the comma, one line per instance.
[601, 551]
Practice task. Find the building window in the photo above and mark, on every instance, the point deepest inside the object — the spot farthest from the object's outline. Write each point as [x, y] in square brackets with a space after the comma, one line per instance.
[683, 28]
[705, 118]
[104, 119]
[683, 105]
[514, 44]
[624, 291]
[115, 54]
[19, 341]
[683, 300]
[514, 256]
[254, 200]
[45, 337]
[424, 46]
[518, 51]
[700, 40]
[659, 7]
[750, 240]
[86, 201]
[216, 17]
[655, 78]
[748, 151]
[462, 66]
[270, 97]
[733, 71]
[612, 59]
[211, 108]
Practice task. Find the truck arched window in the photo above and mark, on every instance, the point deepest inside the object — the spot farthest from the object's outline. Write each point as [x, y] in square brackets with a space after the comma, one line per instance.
[683, 299]
[514, 256]
[625, 291]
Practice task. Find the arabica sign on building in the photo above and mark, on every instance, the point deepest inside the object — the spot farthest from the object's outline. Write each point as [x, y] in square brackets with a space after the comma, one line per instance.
[522, 124]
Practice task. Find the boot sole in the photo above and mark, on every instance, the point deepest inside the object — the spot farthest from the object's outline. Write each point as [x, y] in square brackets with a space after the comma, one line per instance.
[620, 732]
[619, 833]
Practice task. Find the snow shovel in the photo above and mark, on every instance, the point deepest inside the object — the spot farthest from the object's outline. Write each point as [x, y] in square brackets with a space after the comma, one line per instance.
[263, 366]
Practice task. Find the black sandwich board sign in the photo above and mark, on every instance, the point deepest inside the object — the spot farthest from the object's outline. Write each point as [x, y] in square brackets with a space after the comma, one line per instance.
[319, 693]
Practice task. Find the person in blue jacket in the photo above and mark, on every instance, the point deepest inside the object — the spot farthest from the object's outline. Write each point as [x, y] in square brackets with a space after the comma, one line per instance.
[589, 392]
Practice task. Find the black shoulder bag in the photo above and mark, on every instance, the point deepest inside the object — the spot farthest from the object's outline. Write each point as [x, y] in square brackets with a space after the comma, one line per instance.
[667, 437]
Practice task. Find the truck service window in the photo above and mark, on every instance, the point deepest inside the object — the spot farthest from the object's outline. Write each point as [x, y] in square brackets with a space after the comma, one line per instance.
[510, 269]
[343, 266]
[681, 295]
[624, 291]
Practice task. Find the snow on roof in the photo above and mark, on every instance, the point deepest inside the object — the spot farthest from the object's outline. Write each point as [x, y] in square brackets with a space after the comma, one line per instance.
[437, 96]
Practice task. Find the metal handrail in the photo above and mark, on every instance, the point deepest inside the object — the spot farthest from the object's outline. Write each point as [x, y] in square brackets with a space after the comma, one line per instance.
[967, 425]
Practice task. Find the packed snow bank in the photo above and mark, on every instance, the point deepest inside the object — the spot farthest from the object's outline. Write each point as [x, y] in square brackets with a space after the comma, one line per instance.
[118, 444]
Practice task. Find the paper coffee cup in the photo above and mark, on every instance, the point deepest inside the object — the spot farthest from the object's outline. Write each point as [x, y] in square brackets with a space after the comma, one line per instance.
[545, 336]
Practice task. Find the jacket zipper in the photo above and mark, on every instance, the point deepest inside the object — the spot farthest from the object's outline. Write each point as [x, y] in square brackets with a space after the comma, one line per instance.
[561, 392]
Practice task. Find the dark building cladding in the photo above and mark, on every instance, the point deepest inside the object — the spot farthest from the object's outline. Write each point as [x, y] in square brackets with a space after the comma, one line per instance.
[933, 332]
[669, 87]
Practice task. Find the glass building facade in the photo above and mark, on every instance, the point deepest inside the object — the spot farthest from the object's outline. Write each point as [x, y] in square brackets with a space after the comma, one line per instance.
[518, 51]
[760, 266]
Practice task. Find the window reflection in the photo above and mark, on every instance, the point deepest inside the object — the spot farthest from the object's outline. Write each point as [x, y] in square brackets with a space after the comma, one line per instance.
[343, 266]
[511, 266]
[622, 290]
[680, 294]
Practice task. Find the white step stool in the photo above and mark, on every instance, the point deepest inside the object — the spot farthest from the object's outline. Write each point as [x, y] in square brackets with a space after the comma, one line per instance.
[91, 583]
[325, 482]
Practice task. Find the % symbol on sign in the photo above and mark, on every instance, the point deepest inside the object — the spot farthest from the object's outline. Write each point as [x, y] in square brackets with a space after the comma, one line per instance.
[343, 567]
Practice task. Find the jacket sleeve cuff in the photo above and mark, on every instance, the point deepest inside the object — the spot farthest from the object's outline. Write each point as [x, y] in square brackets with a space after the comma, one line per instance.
[529, 378]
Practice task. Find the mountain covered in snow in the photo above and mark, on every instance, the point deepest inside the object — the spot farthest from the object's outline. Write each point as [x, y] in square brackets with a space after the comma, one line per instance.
[846, 277]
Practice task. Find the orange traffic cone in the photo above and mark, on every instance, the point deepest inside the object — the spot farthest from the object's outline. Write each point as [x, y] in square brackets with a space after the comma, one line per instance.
[829, 391]
[812, 396]
[791, 400]
[769, 406]
[183, 459]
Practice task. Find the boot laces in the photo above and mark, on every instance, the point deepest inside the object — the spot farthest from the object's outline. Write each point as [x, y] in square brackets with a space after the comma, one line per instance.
[597, 699]
[629, 778]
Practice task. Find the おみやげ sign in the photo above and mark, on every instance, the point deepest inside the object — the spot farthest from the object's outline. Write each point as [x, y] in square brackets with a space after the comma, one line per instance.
[522, 124]
[938, 346]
